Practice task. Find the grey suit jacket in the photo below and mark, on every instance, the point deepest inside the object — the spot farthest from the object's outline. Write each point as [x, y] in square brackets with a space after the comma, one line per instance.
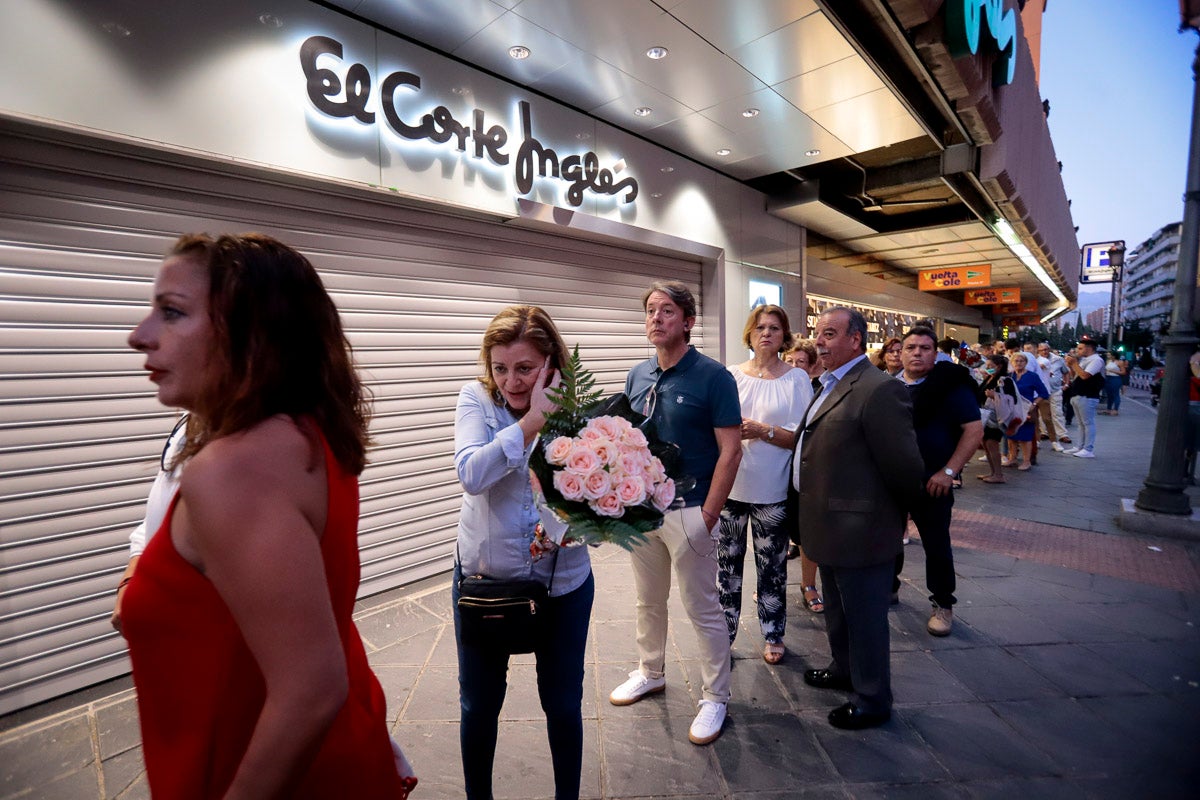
[860, 470]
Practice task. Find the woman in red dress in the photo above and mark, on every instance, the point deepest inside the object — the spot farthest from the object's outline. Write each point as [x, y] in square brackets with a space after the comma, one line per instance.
[252, 680]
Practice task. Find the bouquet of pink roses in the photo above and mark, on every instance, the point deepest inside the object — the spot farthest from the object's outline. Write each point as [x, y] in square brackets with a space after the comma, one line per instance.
[603, 478]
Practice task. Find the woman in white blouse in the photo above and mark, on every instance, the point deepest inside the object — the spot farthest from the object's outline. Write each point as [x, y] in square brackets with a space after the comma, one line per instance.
[774, 396]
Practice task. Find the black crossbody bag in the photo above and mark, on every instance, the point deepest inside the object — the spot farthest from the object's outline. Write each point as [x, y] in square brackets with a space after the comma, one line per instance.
[504, 616]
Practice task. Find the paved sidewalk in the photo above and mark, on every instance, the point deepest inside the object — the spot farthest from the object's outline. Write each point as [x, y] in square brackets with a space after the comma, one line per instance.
[1073, 671]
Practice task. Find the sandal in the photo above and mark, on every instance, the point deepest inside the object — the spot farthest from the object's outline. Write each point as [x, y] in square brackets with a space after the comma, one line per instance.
[773, 652]
[1009, 463]
[991, 479]
[1025, 467]
[815, 605]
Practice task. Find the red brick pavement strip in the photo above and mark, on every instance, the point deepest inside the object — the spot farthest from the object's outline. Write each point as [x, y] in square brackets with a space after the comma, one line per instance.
[1126, 557]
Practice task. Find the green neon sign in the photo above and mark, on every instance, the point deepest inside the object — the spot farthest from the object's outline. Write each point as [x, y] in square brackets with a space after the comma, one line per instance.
[965, 22]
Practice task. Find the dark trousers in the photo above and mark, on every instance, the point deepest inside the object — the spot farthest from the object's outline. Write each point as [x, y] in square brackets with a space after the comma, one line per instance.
[856, 607]
[932, 518]
[482, 683]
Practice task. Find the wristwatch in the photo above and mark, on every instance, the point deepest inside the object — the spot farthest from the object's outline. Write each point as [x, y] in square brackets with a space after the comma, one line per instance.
[948, 471]
[771, 434]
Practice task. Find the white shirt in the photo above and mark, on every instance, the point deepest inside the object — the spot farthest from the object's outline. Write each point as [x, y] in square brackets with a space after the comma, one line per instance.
[162, 492]
[763, 473]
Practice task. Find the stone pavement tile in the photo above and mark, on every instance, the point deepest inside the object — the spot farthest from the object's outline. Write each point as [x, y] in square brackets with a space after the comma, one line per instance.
[1022, 589]
[1078, 622]
[652, 757]
[908, 791]
[412, 650]
[1164, 666]
[1160, 735]
[70, 786]
[1123, 787]
[433, 695]
[970, 741]
[801, 790]
[433, 750]
[445, 652]
[971, 591]
[1056, 788]
[1077, 740]
[918, 679]
[807, 643]
[125, 776]
[436, 602]
[972, 563]
[117, 725]
[614, 641]
[894, 752]
[769, 752]
[1075, 669]
[35, 757]
[393, 623]
[1055, 574]
[1008, 625]
[756, 685]
[993, 673]
[397, 683]
[1149, 621]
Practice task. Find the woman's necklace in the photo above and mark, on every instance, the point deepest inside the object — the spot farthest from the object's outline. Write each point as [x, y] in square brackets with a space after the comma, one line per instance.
[762, 372]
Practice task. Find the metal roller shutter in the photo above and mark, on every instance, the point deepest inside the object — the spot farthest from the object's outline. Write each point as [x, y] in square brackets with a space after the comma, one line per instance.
[83, 225]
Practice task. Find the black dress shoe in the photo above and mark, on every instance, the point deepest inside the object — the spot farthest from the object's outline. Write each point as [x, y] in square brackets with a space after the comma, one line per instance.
[852, 718]
[824, 679]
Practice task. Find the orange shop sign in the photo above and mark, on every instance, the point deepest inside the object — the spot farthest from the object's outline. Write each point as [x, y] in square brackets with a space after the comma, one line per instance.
[1023, 308]
[992, 297]
[936, 280]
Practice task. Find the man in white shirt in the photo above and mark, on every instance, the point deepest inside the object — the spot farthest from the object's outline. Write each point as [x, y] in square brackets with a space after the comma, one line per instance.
[1088, 372]
[1056, 368]
[1045, 418]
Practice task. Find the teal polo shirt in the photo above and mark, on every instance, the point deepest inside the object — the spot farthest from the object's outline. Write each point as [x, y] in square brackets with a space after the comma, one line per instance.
[690, 399]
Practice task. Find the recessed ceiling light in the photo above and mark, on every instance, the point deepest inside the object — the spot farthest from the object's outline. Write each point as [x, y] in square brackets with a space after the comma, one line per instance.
[750, 113]
[656, 194]
[667, 169]
[583, 137]
[724, 151]
[270, 20]
[116, 29]
[813, 152]
[460, 90]
[656, 53]
[642, 111]
[518, 52]
[619, 165]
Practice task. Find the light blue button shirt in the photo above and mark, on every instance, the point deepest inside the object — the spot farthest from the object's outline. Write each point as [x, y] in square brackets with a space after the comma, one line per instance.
[828, 379]
[495, 527]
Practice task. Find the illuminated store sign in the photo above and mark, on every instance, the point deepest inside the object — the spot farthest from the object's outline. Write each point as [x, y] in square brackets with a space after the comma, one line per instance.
[935, 280]
[532, 159]
[965, 22]
[992, 297]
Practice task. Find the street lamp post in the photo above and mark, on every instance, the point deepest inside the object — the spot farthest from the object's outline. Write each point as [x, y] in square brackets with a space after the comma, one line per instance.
[1116, 259]
[1163, 490]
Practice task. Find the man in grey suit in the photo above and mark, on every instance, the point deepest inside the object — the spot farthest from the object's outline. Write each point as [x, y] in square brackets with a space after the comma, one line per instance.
[857, 468]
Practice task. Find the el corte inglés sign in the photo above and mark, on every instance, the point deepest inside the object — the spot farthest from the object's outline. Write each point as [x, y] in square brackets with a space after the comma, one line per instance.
[531, 158]
[942, 278]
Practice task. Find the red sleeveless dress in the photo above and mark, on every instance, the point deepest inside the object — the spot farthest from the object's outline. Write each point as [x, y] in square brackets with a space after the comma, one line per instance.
[200, 690]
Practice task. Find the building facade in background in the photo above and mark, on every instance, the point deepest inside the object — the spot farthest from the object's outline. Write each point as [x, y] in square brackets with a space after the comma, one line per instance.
[1149, 280]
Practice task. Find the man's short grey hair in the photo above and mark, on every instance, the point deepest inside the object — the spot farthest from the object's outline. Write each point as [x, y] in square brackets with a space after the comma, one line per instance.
[680, 295]
[856, 323]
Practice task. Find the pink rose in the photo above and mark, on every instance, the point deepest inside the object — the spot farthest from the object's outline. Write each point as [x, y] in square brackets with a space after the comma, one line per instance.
[664, 494]
[631, 491]
[605, 450]
[590, 434]
[634, 437]
[649, 483]
[596, 484]
[632, 463]
[568, 484]
[656, 470]
[609, 505]
[583, 459]
[558, 450]
[605, 426]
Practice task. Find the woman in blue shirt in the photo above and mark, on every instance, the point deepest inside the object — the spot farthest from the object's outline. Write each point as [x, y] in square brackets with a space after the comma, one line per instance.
[1030, 385]
[496, 427]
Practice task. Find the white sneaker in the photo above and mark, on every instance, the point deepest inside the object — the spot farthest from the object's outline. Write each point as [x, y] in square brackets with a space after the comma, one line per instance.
[982, 458]
[1056, 447]
[1070, 451]
[1084, 454]
[707, 725]
[637, 687]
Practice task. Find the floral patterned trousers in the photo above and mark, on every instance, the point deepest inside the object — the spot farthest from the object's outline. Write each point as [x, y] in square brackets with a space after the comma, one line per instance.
[767, 523]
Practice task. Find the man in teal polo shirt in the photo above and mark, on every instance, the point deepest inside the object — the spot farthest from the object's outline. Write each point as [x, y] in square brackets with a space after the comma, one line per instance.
[692, 401]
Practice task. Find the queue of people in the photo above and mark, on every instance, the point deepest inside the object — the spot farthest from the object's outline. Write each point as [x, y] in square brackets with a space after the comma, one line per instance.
[252, 679]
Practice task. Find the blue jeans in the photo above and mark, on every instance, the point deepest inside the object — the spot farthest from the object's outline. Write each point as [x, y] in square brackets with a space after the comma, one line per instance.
[482, 683]
[1112, 392]
[1085, 409]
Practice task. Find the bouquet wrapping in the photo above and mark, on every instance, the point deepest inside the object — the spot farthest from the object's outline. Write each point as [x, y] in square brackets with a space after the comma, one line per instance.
[602, 473]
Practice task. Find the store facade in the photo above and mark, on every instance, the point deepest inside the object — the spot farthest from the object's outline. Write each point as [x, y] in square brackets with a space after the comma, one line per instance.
[430, 193]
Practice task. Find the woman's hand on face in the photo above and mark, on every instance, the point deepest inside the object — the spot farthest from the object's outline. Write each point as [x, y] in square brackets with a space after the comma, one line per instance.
[540, 399]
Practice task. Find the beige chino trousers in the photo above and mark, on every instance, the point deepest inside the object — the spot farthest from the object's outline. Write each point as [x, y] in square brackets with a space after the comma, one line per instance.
[685, 543]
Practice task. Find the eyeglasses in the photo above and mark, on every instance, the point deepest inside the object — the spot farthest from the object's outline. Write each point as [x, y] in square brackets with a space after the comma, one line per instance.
[650, 404]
